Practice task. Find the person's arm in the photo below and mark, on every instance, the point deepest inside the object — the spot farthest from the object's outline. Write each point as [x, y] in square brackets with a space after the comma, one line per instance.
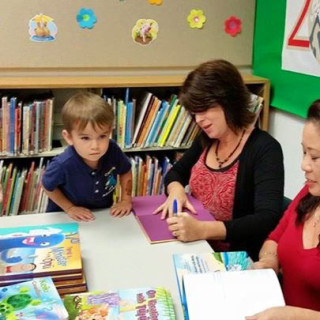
[124, 206]
[265, 160]
[76, 213]
[186, 228]
[177, 178]
[268, 256]
[286, 313]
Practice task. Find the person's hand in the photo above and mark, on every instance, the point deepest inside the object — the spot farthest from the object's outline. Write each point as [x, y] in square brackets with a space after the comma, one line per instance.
[80, 214]
[167, 207]
[275, 313]
[122, 208]
[185, 227]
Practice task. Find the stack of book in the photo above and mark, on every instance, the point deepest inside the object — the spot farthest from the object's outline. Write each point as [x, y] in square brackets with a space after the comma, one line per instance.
[125, 304]
[40, 251]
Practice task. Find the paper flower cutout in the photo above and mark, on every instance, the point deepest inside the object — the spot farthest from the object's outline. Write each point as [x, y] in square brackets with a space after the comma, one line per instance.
[196, 19]
[156, 2]
[232, 26]
[145, 31]
[86, 18]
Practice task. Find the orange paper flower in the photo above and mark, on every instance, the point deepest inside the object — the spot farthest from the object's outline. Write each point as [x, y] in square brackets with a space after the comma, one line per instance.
[156, 2]
[232, 26]
[196, 18]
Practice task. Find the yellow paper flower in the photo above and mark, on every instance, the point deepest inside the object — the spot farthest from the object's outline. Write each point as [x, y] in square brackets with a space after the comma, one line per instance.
[196, 18]
[156, 2]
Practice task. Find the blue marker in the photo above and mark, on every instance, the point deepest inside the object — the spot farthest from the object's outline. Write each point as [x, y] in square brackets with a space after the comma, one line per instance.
[175, 207]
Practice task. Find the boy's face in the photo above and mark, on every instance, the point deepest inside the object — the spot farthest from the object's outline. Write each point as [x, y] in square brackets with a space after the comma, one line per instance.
[91, 144]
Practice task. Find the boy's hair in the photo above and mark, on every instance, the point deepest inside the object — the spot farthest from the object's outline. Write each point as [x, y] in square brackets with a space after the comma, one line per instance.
[86, 107]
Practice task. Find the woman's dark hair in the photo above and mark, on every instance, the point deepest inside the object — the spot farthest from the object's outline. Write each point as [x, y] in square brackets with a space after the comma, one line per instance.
[309, 202]
[218, 82]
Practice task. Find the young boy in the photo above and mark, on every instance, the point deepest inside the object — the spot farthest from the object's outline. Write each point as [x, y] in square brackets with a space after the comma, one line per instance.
[84, 176]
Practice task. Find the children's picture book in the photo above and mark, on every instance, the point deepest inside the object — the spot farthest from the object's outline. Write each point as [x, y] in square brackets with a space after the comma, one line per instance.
[155, 229]
[124, 304]
[37, 251]
[35, 299]
[230, 295]
[190, 263]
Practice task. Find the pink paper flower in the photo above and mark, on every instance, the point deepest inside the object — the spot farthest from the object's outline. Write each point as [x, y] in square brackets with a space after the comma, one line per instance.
[232, 26]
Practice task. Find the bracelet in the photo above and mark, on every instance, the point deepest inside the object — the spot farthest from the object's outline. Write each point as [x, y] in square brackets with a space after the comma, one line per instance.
[265, 253]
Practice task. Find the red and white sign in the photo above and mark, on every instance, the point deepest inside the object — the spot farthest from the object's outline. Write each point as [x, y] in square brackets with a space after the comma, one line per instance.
[301, 44]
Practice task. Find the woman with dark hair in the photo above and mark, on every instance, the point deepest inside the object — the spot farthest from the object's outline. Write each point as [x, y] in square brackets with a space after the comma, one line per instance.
[233, 168]
[294, 245]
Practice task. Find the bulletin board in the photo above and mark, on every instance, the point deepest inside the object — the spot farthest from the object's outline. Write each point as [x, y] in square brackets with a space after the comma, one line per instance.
[109, 43]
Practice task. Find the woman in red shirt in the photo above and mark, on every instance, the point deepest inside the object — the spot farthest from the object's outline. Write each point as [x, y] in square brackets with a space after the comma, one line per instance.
[294, 246]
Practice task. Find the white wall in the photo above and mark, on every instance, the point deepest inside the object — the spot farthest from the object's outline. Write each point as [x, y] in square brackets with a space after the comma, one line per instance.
[287, 129]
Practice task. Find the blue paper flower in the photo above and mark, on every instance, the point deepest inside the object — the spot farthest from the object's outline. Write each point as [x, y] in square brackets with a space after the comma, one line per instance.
[86, 18]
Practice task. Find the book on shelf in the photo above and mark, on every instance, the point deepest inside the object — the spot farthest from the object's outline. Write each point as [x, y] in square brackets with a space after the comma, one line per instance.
[156, 229]
[199, 263]
[35, 299]
[37, 251]
[142, 111]
[231, 295]
[124, 304]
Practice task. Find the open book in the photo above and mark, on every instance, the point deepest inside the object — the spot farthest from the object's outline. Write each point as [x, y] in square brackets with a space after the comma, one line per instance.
[191, 263]
[231, 295]
[156, 229]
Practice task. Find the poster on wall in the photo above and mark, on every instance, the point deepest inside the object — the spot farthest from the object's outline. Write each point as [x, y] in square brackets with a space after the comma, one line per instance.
[301, 43]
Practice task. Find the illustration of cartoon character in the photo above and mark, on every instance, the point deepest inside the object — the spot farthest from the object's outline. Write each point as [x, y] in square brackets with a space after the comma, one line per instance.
[34, 241]
[42, 28]
[145, 31]
[17, 268]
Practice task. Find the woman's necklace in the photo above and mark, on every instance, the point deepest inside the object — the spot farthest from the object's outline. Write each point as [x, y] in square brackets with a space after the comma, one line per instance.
[221, 162]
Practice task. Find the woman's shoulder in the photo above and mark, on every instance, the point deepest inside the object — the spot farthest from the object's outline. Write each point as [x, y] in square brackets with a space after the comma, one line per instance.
[262, 139]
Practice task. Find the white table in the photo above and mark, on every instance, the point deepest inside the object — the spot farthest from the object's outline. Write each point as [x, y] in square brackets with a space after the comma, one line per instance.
[116, 253]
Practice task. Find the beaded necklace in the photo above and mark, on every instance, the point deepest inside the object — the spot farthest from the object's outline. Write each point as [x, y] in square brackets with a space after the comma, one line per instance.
[221, 162]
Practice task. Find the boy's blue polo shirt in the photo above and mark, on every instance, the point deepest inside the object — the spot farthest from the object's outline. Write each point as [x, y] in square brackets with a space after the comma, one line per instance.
[82, 185]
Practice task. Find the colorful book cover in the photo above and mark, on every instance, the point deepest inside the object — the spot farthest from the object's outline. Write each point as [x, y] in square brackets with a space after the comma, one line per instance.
[100, 305]
[36, 251]
[125, 304]
[153, 226]
[36, 299]
[146, 303]
[187, 263]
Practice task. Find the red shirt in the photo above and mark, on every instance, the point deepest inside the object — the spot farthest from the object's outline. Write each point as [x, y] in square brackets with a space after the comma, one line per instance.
[300, 267]
[215, 188]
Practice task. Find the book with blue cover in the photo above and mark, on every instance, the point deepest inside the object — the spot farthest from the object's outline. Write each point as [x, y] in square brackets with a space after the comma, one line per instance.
[35, 299]
[37, 251]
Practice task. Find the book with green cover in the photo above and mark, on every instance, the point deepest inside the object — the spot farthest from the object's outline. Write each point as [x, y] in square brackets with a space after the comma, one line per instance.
[37, 251]
[35, 299]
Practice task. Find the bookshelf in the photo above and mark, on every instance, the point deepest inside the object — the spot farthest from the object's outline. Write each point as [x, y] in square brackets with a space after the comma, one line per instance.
[257, 85]
[100, 84]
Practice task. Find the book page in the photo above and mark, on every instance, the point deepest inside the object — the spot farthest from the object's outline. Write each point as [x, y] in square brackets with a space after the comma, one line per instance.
[231, 295]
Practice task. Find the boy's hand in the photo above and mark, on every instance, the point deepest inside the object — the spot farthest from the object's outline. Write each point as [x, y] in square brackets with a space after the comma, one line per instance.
[122, 208]
[80, 214]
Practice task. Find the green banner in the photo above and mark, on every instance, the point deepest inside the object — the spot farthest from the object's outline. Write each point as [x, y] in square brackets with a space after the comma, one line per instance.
[290, 91]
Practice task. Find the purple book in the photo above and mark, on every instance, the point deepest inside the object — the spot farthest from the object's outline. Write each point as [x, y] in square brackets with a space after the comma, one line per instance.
[156, 229]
